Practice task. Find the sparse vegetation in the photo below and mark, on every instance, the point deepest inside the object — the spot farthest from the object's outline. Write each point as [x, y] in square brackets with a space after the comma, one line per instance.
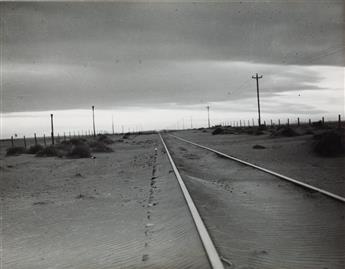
[221, 130]
[14, 151]
[105, 139]
[284, 131]
[330, 143]
[49, 151]
[258, 147]
[97, 146]
[35, 149]
[80, 151]
[217, 131]
[126, 136]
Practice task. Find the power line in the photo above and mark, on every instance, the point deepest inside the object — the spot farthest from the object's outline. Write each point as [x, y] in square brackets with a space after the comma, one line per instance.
[257, 77]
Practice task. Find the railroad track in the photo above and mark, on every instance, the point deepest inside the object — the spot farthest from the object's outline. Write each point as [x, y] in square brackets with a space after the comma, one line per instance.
[214, 244]
[206, 240]
[295, 181]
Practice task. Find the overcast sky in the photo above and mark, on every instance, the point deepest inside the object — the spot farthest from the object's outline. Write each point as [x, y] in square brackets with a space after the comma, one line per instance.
[69, 56]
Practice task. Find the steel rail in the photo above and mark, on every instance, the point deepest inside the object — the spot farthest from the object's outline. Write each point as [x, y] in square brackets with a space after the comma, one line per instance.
[297, 182]
[206, 240]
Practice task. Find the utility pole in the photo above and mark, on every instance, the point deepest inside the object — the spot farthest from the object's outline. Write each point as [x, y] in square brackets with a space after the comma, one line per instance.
[208, 116]
[93, 121]
[52, 128]
[112, 123]
[256, 77]
[191, 122]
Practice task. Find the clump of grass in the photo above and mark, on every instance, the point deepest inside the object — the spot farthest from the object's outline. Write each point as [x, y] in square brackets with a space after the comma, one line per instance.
[330, 144]
[49, 151]
[258, 147]
[217, 131]
[221, 130]
[98, 146]
[284, 131]
[80, 151]
[15, 151]
[105, 139]
[126, 136]
[35, 149]
[75, 141]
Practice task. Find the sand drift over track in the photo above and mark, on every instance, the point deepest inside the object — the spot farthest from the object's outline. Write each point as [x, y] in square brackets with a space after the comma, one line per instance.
[257, 220]
[295, 181]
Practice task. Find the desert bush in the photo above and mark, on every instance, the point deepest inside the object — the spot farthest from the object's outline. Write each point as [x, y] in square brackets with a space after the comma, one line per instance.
[97, 146]
[217, 131]
[13, 151]
[221, 130]
[80, 151]
[258, 147]
[77, 141]
[253, 131]
[34, 149]
[284, 131]
[329, 144]
[105, 139]
[49, 151]
[126, 136]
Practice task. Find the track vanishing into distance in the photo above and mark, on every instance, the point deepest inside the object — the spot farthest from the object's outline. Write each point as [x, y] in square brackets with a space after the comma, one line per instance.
[295, 181]
[251, 217]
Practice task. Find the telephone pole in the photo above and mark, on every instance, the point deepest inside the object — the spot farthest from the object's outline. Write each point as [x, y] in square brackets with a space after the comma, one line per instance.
[112, 123]
[52, 128]
[208, 116]
[93, 121]
[256, 77]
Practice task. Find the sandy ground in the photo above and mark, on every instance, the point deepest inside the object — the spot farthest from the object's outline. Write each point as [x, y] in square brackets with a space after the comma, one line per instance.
[257, 221]
[121, 210]
[290, 156]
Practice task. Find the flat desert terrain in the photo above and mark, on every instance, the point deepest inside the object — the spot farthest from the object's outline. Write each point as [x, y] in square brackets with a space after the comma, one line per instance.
[119, 210]
[125, 209]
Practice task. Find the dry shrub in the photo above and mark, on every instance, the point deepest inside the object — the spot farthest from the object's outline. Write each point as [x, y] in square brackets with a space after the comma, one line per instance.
[126, 136]
[80, 151]
[97, 146]
[14, 151]
[284, 131]
[258, 147]
[330, 144]
[49, 151]
[105, 139]
[35, 149]
[218, 130]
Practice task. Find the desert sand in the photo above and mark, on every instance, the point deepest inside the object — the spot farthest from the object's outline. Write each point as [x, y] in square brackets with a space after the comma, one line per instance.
[257, 220]
[120, 210]
[290, 156]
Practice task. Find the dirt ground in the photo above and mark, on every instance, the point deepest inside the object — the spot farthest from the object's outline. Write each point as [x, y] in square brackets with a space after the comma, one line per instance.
[120, 210]
[257, 221]
[290, 156]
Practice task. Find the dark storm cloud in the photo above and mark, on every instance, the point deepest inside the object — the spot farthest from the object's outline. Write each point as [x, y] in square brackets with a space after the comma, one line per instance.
[72, 55]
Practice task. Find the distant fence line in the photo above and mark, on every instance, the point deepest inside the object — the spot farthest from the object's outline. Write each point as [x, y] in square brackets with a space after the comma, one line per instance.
[235, 124]
[279, 122]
